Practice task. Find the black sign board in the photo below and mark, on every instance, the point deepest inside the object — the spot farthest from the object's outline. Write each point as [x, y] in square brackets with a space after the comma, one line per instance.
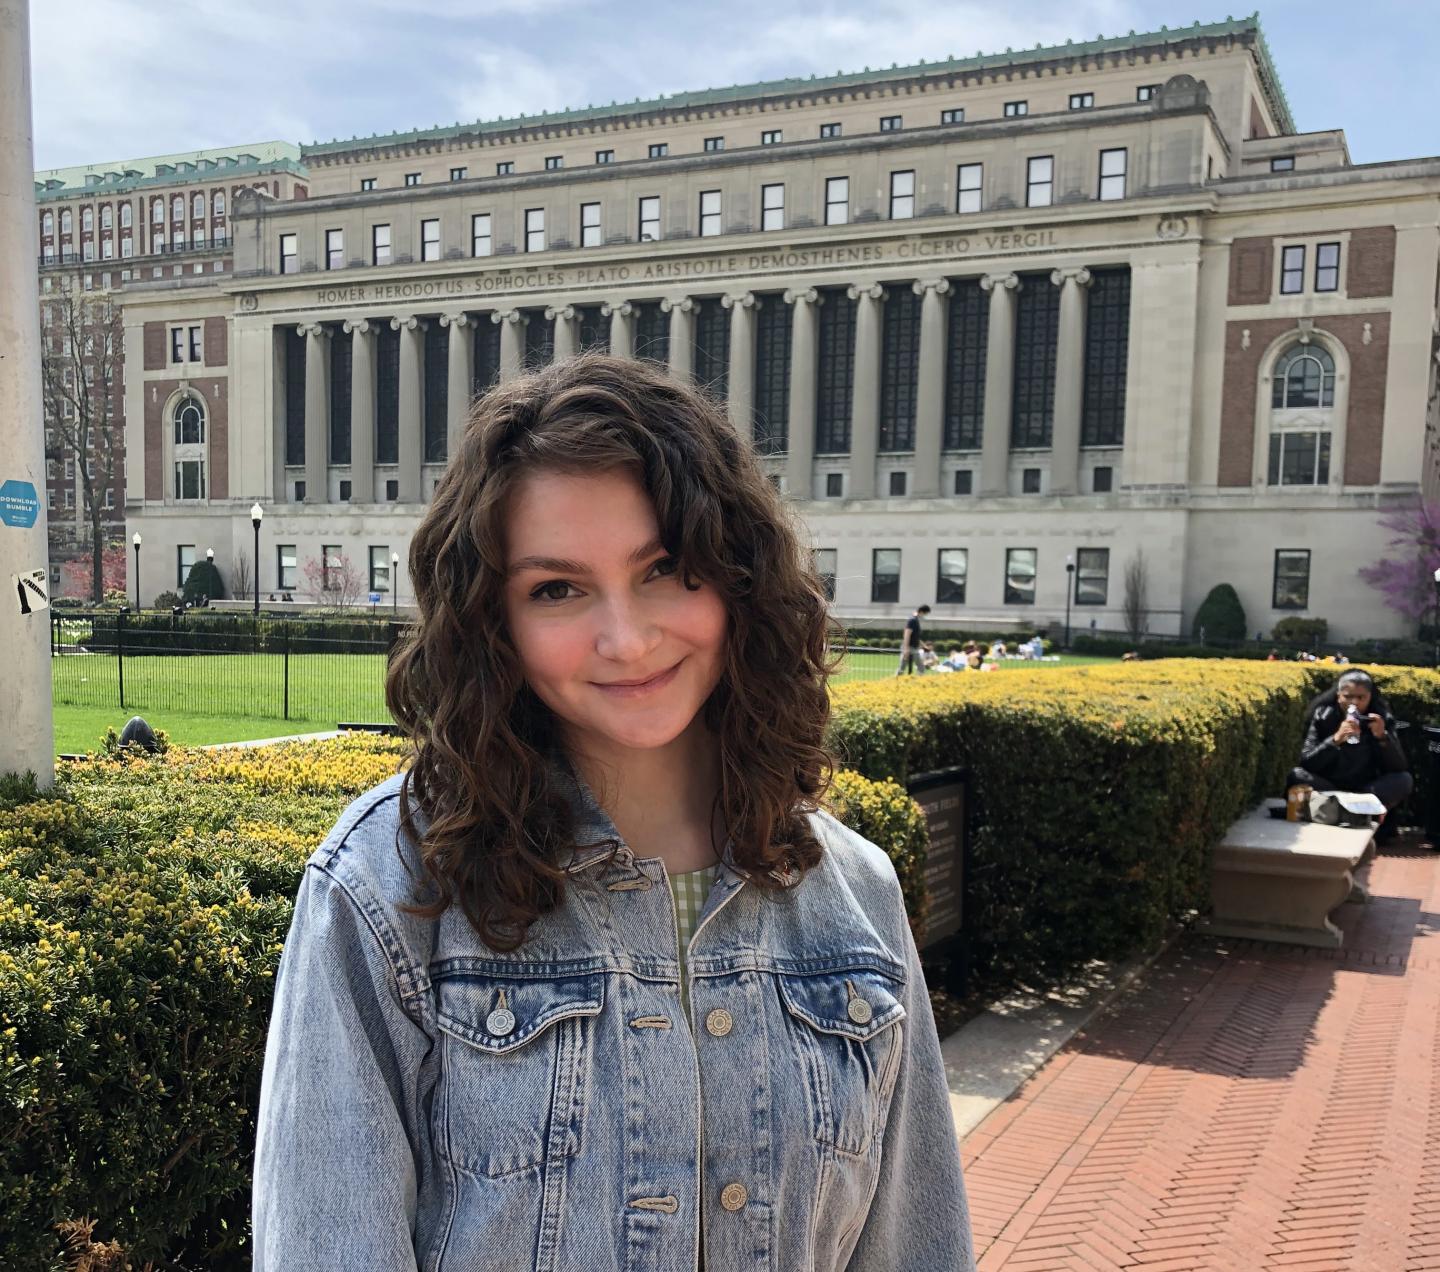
[941, 796]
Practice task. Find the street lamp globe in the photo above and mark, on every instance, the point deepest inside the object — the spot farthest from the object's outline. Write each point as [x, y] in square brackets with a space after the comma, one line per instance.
[256, 513]
[136, 541]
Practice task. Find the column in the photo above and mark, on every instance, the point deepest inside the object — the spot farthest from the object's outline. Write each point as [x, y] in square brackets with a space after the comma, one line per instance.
[740, 394]
[800, 447]
[362, 409]
[1069, 381]
[564, 316]
[930, 385]
[317, 412]
[622, 330]
[682, 334]
[412, 403]
[460, 376]
[512, 342]
[999, 384]
[865, 403]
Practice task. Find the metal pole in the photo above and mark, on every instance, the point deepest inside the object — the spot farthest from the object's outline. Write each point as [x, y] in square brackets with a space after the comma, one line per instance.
[256, 524]
[137, 580]
[27, 742]
[1069, 592]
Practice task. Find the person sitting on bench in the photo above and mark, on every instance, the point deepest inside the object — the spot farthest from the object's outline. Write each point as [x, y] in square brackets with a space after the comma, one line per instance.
[1360, 752]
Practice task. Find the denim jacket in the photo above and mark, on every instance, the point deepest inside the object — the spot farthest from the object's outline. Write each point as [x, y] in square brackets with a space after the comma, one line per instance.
[428, 1103]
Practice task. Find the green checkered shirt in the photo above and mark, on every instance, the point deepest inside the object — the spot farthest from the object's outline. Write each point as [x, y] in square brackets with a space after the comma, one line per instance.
[689, 892]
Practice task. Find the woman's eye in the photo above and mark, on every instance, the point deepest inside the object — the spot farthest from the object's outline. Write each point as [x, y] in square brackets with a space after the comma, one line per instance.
[544, 591]
[670, 564]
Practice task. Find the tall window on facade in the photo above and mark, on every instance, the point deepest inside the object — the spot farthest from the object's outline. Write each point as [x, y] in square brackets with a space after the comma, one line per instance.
[1037, 326]
[217, 204]
[387, 396]
[1292, 270]
[1040, 181]
[330, 566]
[1112, 173]
[430, 239]
[1302, 408]
[480, 240]
[652, 332]
[902, 195]
[885, 575]
[1020, 576]
[951, 573]
[837, 200]
[590, 232]
[592, 329]
[1092, 576]
[1292, 579]
[107, 216]
[772, 375]
[157, 215]
[380, 245]
[969, 182]
[294, 344]
[127, 216]
[650, 218]
[184, 562]
[334, 249]
[434, 376]
[189, 422]
[87, 219]
[1107, 350]
[899, 367]
[286, 566]
[380, 568]
[539, 339]
[47, 223]
[772, 207]
[826, 564]
[712, 346]
[709, 213]
[968, 337]
[289, 263]
[534, 229]
[197, 205]
[835, 372]
[487, 356]
[177, 208]
[341, 350]
[1327, 267]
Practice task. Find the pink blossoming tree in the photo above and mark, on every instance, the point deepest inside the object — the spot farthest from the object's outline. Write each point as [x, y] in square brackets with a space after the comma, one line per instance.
[1405, 575]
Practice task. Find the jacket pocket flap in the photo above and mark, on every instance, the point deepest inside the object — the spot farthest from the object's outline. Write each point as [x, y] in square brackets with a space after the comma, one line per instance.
[470, 1007]
[856, 1003]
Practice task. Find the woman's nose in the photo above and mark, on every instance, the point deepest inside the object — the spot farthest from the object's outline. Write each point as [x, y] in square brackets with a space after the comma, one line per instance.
[625, 633]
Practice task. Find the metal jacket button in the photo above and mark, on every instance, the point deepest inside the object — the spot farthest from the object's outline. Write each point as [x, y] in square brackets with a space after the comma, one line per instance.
[718, 1022]
[733, 1196]
[859, 1011]
[500, 1022]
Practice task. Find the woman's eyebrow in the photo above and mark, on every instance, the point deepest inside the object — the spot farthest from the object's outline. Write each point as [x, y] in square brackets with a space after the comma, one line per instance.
[563, 565]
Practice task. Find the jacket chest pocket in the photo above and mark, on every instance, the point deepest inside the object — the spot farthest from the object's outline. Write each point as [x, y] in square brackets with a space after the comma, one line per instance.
[516, 1067]
[848, 1033]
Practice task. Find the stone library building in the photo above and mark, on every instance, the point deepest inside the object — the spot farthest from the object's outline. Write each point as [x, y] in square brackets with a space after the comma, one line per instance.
[1001, 326]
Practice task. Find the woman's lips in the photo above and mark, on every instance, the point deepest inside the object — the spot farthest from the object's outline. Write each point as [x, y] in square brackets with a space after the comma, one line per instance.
[647, 686]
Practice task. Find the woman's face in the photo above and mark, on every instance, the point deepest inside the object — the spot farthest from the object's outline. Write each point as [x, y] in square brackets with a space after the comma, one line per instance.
[1352, 693]
[593, 600]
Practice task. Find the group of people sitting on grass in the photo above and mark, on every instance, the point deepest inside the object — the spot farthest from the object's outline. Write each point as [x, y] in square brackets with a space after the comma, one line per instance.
[918, 655]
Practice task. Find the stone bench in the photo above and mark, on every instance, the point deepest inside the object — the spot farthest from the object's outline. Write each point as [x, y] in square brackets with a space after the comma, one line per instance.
[1276, 880]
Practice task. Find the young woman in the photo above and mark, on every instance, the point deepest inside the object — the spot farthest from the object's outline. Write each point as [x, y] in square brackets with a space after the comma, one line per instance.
[595, 984]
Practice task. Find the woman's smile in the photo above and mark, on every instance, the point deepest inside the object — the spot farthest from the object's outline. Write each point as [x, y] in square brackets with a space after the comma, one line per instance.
[636, 690]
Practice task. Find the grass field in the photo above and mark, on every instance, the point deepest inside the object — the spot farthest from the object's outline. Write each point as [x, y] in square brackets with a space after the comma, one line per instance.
[202, 699]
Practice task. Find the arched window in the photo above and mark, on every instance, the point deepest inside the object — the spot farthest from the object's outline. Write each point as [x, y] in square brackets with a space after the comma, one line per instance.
[65, 221]
[87, 218]
[189, 422]
[219, 203]
[157, 212]
[177, 208]
[1302, 409]
[197, 205]
[125, 215]
[107, 217]
[47, 223]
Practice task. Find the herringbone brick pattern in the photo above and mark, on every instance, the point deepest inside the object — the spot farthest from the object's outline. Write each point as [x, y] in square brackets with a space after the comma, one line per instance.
[1248, 1107]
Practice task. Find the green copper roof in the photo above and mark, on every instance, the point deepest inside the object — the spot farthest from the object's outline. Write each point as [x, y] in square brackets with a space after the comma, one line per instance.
[801, 84]
[127, 174]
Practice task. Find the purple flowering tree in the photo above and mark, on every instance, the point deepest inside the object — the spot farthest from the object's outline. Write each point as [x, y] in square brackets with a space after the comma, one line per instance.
[1405, 575]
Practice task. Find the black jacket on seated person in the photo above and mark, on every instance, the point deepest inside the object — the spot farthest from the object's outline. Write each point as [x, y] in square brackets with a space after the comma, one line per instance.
[1343, 765]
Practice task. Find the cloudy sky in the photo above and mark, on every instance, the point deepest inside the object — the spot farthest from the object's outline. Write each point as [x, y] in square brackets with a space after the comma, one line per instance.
[119, 79]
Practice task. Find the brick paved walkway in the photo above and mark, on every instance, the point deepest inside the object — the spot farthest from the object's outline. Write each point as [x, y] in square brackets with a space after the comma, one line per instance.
[1248, 1107]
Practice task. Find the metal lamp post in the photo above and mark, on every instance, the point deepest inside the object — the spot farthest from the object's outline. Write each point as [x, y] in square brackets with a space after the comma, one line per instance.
[257, 513]
[395, 583]
[136, 542]
[1069, 592]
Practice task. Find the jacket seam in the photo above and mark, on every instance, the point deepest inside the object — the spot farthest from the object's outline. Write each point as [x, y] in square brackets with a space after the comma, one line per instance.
[403, 992]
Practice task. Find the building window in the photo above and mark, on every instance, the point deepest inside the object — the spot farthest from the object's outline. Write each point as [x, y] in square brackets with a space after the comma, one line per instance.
[659, 149]
[1030, 481]
[177, 208]
[1014, 110]
[505, 167]
[177, 344]
[330, 567]
[885, 575]
[890, 123]
[714, 143]
[829, 130]
[157, 216]
[1020, 576]
[1040, 181]
[1146, 91]
[952, 569]
[1292, 579]
[107, 249]
[184, 562]
[1037, 324]
[825, 566]
[771, 137]
[189, 421]
[196, 344]
[1282, 163]
[1102, 479]
[897, 483]
[650, 218]
[534, 229]
[969, 180]
[1292, 271]
[480, 241]
[712, 346]
[552, 162]
[1092, 576]
[412, 178]
[837, 200]
[127, 248]
[392, 490]
[539, 340]
[430, 239]
[590, 225]
[604, 156]
[87, 219]
[380, 245]
[899, 368]
[334, 249]
[1112, 173]
[902, 195]
[1327, 267]
[1082, 101]
[652, 332]
[835, 372]
[87, 250]
[217, 204]
[367, 183]
[1302, 402]
[47, 223]
[285, 566]
[189, 479]
[709, 213]
[127, 216]
[345, 489]
[107, 213]
[459, 174]
[834, 485]
[955, 115]
[964, 481]
[771, 401]
[380, 567]
[197, 206]
[772, 207]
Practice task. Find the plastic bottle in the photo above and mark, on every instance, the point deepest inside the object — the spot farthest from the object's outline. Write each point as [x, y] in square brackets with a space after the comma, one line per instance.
[1353, 714]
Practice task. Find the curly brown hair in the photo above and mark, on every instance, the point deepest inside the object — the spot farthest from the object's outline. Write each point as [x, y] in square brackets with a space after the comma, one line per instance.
[499, 833]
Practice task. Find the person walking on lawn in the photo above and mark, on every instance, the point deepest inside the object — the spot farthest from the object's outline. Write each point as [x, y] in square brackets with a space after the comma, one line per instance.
[910, 643]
